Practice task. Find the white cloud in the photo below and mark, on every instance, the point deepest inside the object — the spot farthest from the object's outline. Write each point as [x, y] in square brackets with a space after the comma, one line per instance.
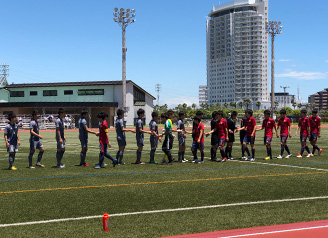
[326, 61]
[303, 75]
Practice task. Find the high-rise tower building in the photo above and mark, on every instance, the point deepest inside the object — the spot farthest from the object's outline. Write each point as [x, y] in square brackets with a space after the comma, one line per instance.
[237, 52]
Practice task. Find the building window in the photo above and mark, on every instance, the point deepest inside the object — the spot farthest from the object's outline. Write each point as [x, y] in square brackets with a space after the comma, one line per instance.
[17, 94]
[68, 92]
[33, 93]
[139, 95]
[49, 92]
[89, 92]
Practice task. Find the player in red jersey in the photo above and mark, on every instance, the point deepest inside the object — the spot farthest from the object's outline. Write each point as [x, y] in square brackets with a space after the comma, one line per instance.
[198, 140]
[315, 122]
[303, 126]
[250, 128]
[221, 128]
[284, 124]
[268, 124]
[103, 141]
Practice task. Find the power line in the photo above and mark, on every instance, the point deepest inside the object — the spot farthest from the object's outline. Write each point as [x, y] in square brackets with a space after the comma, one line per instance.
[3, 75]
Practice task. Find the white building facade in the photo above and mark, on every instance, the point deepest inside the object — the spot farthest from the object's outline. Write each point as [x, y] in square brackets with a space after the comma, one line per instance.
[237, 52]
[202, 94]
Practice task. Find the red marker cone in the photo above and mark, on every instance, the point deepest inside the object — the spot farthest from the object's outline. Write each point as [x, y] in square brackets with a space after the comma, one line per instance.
[106, 222]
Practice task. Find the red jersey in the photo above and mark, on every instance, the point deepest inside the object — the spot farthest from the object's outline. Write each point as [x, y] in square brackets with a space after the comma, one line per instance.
[268, 124]
[250, 123]
[197, 132]
[103, 129]
[284, 123]
[304, 123]
[315, 122]
[221, 127]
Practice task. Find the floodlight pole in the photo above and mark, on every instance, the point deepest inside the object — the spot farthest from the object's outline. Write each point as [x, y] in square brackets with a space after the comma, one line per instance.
[273, 28]
[123, 18]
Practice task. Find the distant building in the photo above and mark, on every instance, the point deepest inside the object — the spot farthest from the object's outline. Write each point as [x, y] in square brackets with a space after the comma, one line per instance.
[96, 96]
[320, 99]
[237, 52]
[284, 99]
[202, 94]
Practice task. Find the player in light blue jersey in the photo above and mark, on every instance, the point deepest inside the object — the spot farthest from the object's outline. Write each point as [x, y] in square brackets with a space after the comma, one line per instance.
[120, 135]
[12, 139]
[83, 136]
[35, 140]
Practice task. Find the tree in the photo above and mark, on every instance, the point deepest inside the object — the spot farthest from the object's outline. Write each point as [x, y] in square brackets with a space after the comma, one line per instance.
[247, 101]
[299, 105]
[193, 106]
[294, 105]
[233, 104]
[258, 104]
[313, 106]
[241, 104]
[225, 105]
[307, 106]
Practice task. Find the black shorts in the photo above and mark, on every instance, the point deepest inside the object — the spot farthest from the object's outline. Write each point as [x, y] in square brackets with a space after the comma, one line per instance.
[231, 137]
[214, 140]
[168, 142]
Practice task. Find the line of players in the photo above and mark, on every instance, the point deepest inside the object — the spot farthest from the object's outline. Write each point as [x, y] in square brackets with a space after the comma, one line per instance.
[222, 133]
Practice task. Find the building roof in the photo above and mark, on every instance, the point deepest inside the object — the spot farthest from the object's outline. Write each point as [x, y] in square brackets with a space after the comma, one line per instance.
[67, 84]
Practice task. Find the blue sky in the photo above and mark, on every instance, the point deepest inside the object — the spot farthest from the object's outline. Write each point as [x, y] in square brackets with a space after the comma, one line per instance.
[77, 40]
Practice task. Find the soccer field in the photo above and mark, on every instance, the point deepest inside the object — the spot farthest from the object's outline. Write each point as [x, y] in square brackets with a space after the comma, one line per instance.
[158, 200]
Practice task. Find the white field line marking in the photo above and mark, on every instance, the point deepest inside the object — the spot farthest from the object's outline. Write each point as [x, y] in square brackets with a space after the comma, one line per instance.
[165, 210]
[273, 232]
[283, 165]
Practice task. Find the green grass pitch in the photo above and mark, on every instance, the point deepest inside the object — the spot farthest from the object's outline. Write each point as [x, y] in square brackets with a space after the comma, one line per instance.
[51, 193]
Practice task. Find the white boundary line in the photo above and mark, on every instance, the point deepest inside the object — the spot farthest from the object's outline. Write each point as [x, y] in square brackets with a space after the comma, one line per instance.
[165, 210]
[273, 232]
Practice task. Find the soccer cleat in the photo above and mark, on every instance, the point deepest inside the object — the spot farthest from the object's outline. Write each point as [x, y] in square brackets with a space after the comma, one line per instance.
[288, 156]
[224, 160]
[252, 159]
[154, 162]
[299, 155]
[97, 166]
[319, 152]
[121, 163]
[267, 158]
[39, 165]
[139, 162]
[244, 158]
[279, 157]
[169, 163]
[103, 165]
[309, 155]
[115, 162]
[200, 162]
[12, 168]
[31, 167]
[185, 160]
[84, 165]
[61, 166]
[312, 155]
[215, 160]
[231, 158]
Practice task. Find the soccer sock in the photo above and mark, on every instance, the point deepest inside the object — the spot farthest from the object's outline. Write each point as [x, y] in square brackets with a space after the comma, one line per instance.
[302, 150]
[30, 157]
[108, 156]
[83, 155]
[267, 151]
[253, 153]
[270, 152]
[182, 155]
[152, 155]
[121, 156]
[202, 155]
[315, 147]
[230, 151]
[212, 153]
[226, 150]
[307, 149]
[179, 156]
[282, 150]
[138, 155]
[58, 156]
[242, 151]
[195, 154]
[223, 154]
[11, 160]
[247, 151]
[287, 149]
[117, 154]
[40, 157]
[101, 159]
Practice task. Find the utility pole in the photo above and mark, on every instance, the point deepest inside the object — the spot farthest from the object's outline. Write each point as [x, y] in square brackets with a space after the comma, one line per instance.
[124, 18]
[273, 28]
[3, 75]
[158, 89]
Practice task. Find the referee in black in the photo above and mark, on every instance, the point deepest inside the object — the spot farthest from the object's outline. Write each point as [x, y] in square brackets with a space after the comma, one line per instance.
[231, 133]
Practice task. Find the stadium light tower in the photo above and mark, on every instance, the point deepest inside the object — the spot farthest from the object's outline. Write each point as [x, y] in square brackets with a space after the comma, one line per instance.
[124, 18]
[284, 87]
[273, 28]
